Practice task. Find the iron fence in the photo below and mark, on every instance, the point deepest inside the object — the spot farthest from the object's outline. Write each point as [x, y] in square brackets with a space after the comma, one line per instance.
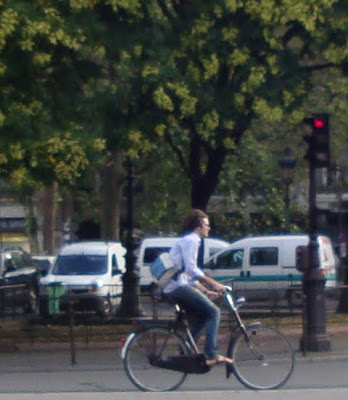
[72, 325]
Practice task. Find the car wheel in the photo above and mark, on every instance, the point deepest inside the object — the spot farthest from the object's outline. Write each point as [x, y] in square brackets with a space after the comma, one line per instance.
[43, 305]
[32, 304]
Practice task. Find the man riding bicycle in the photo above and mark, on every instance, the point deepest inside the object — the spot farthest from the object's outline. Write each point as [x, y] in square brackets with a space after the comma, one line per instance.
[189, 287]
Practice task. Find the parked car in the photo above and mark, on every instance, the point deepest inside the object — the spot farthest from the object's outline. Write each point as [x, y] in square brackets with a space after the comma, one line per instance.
[151, 247]
[19, 281]
[268, 262]
[91, 272]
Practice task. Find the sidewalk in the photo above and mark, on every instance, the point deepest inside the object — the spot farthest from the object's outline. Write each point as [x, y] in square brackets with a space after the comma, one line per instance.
[106, 355]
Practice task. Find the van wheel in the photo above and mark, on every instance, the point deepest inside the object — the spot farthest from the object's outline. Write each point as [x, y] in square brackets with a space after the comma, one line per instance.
[106, 308]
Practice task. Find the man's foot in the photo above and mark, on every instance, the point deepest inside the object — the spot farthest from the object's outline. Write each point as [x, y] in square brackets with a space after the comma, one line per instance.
[219, 359]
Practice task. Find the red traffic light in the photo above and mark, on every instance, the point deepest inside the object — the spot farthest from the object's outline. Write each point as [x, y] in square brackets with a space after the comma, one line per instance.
[319, 141]
[318, 123]
[301, 258]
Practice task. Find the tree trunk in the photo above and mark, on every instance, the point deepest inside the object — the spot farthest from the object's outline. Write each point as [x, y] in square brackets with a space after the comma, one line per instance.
[49, 211]
[32, 226]
[203, 184]
[67, 210]
[112, 185]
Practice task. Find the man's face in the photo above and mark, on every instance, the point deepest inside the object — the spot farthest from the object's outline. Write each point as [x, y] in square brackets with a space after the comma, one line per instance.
[205, 228]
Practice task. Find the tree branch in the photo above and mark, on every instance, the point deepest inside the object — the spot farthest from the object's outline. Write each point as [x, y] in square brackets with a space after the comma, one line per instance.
[319, 67]
[177, 151]
[164, 8]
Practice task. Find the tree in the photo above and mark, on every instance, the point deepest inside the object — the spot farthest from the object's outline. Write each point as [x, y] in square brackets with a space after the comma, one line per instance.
[196, 76]
[221, 65]
[41, 78]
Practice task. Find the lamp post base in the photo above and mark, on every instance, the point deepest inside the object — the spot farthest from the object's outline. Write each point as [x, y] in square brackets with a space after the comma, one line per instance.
[129, 307]
[315, 342]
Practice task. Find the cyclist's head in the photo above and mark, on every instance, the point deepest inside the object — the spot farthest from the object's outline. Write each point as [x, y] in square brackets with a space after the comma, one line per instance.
[197, 219]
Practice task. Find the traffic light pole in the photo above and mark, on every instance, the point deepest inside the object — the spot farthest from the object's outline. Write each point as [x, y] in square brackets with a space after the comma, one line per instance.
[314, 337]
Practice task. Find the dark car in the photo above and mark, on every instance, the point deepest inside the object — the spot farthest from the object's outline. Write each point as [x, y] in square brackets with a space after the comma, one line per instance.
[19, 282]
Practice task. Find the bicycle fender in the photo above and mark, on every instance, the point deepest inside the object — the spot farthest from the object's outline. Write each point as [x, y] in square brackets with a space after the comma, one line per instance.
[126, 344]
[254, 325]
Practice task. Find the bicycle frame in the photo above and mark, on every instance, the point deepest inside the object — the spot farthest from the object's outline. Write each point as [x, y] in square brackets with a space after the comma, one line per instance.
[182, 322]
[234, 310]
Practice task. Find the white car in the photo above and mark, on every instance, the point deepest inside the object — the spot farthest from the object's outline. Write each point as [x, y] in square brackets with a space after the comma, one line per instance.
[87, 275]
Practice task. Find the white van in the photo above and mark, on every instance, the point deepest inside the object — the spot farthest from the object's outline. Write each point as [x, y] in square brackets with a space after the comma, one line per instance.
[268, 262]
[151, 247]
[91, 272]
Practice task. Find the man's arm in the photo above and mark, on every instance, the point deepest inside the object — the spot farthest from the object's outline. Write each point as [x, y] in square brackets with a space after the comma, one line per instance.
[207, 280]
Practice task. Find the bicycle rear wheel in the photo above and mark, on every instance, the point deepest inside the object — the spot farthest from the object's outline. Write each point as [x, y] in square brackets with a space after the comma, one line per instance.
[147, 346]
[263, 358]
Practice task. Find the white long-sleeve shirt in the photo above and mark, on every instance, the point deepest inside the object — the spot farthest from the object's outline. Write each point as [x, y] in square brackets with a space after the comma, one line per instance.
[184, 255]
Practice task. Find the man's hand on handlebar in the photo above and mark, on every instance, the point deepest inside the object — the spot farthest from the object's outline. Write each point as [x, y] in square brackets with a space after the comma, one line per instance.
[218, 287]
[217, 292]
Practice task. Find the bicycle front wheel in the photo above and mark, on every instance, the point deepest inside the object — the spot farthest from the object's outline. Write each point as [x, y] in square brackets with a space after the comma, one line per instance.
[141, 358]
[263, 358]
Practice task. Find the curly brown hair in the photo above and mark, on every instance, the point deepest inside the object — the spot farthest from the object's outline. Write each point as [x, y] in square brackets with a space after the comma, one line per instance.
[194, 220]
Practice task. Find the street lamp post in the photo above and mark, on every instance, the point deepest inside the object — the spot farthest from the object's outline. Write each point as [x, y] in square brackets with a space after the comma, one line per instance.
[130, 297]
[287, 164]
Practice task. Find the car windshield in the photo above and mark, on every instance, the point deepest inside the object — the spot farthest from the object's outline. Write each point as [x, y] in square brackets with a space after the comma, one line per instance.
[84, 264]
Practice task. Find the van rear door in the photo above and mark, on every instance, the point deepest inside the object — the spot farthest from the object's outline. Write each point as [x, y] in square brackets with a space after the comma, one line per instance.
[327, 260]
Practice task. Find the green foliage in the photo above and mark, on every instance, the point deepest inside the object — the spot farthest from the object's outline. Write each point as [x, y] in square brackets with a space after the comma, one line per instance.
[204, 82]
[61, 159]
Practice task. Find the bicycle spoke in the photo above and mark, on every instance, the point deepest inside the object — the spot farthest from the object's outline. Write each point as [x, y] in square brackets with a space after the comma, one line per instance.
[264, 360]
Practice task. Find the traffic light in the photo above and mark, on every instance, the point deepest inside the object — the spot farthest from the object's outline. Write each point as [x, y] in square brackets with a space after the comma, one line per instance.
[302, 259]
[319, 142]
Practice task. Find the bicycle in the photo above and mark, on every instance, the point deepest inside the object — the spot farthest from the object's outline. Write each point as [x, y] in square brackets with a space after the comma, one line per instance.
[159, 357]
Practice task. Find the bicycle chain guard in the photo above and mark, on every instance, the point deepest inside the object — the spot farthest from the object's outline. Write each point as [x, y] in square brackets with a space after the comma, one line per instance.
[190, 364]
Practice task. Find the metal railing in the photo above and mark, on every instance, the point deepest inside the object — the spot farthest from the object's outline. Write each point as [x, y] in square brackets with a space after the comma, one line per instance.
[14, 300]
[72, 326]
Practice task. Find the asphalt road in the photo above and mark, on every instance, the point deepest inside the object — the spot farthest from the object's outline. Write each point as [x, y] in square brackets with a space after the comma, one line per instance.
[314, 394]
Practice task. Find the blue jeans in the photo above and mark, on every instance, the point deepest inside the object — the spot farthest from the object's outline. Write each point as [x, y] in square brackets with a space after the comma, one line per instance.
[206, 316]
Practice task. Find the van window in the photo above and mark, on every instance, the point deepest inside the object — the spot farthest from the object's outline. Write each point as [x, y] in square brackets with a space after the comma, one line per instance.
[151, 253]
[114, 262]
[264, 256]
[228, 260]
[80, 264]
[213, 250]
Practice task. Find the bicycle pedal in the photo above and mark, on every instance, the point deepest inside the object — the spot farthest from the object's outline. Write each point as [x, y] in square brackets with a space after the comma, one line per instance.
[229, 370]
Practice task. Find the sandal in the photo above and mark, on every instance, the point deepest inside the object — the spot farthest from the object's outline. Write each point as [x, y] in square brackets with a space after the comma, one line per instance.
[219, 359]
